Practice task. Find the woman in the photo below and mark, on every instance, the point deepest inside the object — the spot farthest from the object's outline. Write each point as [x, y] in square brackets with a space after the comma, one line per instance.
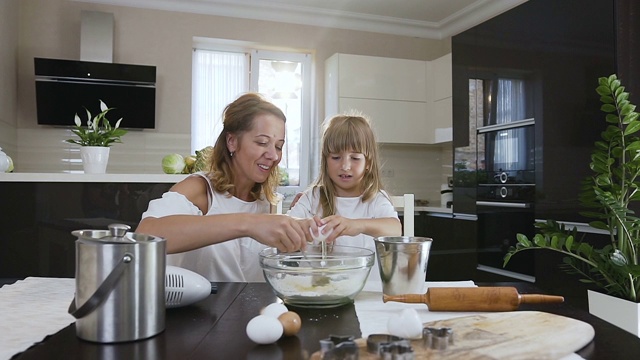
[241, 178]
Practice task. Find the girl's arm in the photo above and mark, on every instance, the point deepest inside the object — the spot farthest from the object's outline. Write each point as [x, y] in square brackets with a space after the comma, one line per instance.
[339, 226]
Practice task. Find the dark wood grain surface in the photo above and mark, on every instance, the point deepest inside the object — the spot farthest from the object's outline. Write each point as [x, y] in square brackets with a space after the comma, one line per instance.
[215, 329]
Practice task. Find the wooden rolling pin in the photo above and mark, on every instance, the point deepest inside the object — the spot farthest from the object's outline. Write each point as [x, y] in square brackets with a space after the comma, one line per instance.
[473, 298]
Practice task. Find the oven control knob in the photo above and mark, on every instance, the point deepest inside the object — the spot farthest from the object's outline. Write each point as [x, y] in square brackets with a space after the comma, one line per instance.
[504, 177]
[503, 192]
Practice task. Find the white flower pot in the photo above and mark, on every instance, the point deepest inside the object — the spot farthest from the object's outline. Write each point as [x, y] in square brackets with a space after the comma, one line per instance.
[94, 159]
[622, 313]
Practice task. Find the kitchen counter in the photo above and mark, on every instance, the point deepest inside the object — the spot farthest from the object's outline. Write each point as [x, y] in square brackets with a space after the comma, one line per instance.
[433, 209]
[215, 328]
[91, 178]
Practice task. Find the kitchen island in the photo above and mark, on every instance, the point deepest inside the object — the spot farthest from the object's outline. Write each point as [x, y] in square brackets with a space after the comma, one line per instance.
[215, 328]
[40, 210]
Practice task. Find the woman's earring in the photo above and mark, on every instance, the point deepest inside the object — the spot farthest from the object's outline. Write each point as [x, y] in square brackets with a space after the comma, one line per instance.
[231, 153]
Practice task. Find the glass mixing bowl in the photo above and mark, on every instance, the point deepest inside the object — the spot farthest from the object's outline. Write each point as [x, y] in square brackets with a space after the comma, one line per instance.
[310, 279]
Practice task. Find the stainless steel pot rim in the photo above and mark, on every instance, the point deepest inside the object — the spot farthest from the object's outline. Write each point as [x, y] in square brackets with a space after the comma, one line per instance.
[402, 239]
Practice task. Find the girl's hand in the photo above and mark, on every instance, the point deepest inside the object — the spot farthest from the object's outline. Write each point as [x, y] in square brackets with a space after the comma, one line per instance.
[283, 232]
[339, 226]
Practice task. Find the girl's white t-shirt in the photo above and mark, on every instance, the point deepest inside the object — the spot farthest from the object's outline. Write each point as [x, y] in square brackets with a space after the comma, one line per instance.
[352, 208]
[235, 260]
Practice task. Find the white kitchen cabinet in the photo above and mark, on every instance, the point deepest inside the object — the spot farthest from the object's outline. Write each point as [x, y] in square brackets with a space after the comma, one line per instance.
[370, 77]
[441, 77]
[440, 91]
[396, 94]
[393, 121]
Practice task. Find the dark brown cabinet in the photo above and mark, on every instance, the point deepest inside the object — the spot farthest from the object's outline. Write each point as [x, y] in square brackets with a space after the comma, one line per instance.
[452, 256]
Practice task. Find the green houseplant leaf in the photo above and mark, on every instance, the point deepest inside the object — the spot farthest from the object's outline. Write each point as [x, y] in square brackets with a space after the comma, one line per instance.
[98, 131]
[615, 162]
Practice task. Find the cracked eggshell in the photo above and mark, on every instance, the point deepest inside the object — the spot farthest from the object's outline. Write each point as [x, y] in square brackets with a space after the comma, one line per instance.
[319, 237]
[406, 325]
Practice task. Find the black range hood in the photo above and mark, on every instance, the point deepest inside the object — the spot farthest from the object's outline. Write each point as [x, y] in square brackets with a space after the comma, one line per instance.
[66, 87]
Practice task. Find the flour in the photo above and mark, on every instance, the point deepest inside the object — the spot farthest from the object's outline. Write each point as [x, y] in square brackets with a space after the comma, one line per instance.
[300, 286]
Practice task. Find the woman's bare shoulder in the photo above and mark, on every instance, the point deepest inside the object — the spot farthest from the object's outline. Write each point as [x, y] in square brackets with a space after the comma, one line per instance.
[195, 189]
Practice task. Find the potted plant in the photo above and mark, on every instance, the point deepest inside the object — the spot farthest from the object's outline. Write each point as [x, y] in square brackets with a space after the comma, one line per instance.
[96, 138]
[606, 194]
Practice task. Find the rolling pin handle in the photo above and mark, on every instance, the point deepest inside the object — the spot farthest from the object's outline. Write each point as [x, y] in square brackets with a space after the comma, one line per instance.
[407, 298]
[540, 299]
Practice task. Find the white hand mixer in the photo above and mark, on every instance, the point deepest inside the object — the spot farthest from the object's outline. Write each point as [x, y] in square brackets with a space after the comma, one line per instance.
[184, 287]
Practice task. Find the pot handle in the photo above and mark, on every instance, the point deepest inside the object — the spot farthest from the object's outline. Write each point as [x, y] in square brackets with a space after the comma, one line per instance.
[101, 293]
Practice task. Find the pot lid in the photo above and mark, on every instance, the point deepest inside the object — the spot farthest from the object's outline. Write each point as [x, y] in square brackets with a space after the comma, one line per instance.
[117, 233]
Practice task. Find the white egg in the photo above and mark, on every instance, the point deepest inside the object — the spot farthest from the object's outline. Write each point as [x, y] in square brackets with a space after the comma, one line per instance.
[407, 325]
[274, 310]
[264, 329]
[320, 237]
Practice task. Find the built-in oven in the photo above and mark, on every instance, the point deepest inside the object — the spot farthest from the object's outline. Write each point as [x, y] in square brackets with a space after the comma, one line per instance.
[505, 193]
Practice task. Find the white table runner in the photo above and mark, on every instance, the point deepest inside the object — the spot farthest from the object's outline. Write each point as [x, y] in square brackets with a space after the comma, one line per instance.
[30, 310]
[374, 314]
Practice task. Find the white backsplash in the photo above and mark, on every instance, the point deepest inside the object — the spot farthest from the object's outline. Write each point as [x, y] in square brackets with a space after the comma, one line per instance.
[141, 152]
[8, 139]
[417, 169]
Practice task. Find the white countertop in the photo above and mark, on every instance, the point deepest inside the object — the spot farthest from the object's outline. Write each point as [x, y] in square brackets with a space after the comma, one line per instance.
[437, 209]
[135, 178]
[110, 178]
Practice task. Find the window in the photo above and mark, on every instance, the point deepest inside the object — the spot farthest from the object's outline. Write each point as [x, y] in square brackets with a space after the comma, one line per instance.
[503, 109]
[222, 73]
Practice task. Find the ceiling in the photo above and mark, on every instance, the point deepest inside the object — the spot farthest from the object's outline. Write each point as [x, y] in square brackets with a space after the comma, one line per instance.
[432, 19]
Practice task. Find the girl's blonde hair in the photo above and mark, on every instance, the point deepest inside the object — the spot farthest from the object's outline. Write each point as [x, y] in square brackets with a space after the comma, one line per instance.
[238, 118]
[348, 133]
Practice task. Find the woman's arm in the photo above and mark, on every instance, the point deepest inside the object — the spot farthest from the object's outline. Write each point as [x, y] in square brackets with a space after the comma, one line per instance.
[185, 228]
[189, 232]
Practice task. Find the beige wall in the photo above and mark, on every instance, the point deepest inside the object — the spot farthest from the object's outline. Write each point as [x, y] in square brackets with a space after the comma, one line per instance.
[51, 28]
[8, 75]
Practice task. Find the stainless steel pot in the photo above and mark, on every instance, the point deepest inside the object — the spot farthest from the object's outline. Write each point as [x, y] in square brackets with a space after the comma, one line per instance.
[119, 285]
[402, 261]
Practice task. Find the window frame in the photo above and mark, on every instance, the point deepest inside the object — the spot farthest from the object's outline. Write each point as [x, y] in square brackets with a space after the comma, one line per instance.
[257, 52]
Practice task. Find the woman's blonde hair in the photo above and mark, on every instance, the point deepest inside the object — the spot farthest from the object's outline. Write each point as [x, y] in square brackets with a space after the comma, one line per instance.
[348, 133]
[238, 118]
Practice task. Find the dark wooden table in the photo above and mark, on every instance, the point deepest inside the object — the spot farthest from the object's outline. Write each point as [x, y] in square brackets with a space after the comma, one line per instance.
[215, 329]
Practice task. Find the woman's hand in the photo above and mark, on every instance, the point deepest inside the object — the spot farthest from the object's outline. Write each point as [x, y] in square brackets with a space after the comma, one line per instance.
[283, 232]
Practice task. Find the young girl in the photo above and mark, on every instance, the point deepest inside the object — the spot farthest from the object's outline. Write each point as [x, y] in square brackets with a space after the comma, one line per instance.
[348, 195]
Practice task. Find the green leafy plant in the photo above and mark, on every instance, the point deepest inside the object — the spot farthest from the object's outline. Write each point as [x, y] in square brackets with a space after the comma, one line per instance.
[606, 194]
[98, 131]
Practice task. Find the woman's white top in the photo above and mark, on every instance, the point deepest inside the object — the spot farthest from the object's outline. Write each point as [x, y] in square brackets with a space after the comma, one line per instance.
[230, 261]
[352, 208]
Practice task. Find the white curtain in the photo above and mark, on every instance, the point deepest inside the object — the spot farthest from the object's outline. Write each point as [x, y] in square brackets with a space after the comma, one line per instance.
[511, 145]
[218, 79]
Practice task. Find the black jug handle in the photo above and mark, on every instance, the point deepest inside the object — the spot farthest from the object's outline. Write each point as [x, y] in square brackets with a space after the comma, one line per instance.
[101, 293]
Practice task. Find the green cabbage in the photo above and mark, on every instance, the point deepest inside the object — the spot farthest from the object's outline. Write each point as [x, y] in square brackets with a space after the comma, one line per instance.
[173, 164]
[10, 169]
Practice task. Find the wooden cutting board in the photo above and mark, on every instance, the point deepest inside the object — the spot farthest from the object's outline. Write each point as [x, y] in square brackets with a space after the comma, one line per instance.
[507, 335]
